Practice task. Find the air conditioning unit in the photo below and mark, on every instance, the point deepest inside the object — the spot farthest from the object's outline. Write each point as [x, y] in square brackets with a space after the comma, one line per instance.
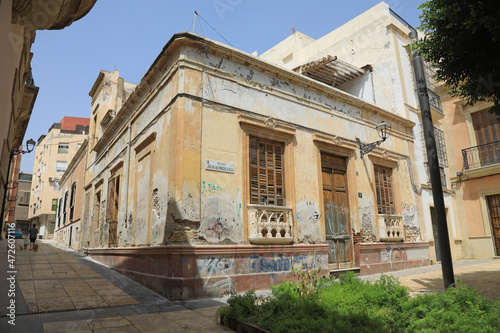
[52, 179]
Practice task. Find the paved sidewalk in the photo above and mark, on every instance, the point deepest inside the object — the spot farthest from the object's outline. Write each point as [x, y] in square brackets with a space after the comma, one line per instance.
[59, 290]
[483, 275]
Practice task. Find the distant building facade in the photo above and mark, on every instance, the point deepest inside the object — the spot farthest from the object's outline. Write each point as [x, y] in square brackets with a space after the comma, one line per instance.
[21, 212]
[69, 207]
[475, 166]
[54, 153]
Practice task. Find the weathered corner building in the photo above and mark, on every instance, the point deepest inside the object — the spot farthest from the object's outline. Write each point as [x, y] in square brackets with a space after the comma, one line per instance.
[223, 170]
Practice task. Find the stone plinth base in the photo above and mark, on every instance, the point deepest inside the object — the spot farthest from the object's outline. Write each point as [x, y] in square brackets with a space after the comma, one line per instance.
[373, 258]
[188, 271]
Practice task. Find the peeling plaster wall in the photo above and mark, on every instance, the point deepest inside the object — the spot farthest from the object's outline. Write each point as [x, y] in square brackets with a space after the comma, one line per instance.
[171, 198]
[307, 189]
[221, 202]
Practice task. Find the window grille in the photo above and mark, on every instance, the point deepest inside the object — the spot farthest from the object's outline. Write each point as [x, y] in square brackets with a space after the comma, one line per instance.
[441, 152]
[383, 187]
[266, 172]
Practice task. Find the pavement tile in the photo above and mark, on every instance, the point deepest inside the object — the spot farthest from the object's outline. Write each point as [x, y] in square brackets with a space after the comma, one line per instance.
[66, 326]
[114, 300]
[32, 305]
[108, 323]
[207, 312]
[148, 322]
[89, 301]
[124, 329]
[52, 304]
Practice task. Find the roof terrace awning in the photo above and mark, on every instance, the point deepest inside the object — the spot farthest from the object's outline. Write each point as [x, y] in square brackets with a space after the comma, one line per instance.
[330, 70]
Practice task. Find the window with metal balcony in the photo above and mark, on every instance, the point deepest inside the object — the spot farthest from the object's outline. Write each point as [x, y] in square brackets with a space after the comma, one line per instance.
[487, 152]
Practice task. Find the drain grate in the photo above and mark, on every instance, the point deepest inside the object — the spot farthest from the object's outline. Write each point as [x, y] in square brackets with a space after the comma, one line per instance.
[84, 309]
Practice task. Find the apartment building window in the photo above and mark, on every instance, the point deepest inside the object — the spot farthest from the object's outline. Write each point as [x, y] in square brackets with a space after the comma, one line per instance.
[266, 172]
[383, 188]
[61, 166]
[54, 205]
[72, 201]
[63, 148]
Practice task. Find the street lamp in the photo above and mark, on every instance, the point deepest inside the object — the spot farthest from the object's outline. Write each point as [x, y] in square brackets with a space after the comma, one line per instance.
[383, 130]
[30, 145]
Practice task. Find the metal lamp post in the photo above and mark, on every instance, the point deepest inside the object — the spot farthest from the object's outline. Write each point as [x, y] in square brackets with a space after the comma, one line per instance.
[435, 174]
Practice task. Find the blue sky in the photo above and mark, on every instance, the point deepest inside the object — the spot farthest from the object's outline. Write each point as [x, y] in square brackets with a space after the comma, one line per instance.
[129, 34]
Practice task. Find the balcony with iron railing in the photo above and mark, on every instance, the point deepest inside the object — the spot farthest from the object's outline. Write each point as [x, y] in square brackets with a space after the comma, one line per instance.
[481, 156]
[270, 224]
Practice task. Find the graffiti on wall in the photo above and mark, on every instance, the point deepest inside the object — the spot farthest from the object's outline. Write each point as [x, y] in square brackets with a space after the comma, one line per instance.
[273, 263]
[310, 261]
[222, 268]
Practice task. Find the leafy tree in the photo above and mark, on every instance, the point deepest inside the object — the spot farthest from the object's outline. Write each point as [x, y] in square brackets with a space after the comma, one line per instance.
[463, 44]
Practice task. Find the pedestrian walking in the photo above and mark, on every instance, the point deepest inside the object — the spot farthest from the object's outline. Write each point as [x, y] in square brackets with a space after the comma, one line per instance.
[33, 233]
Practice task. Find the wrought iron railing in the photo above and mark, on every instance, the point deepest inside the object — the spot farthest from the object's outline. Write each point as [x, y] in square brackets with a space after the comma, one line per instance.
[270, 224]
[391, 228]
[435, 100]
[482, 155]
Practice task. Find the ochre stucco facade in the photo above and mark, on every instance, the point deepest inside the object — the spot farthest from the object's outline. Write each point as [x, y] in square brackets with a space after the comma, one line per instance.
[477, 175]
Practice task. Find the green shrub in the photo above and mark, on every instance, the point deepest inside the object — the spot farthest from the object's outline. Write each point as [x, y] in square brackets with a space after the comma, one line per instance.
[348, 304]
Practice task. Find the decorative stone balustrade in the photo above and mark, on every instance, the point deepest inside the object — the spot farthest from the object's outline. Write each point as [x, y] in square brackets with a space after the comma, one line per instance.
[270, 224]
[391, 228]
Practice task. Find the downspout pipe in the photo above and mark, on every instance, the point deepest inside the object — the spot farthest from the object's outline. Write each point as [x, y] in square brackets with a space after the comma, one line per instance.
[127, 177]
[435, 175]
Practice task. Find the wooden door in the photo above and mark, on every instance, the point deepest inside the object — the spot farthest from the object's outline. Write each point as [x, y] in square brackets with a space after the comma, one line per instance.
[494, 212]
[337, 220]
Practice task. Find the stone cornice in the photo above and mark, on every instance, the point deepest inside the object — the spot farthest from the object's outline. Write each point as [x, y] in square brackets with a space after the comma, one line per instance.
[49, 14]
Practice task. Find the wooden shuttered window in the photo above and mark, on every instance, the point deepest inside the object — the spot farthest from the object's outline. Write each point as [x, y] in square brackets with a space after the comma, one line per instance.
[383, 187]
[486, 126]
[266, 172]
[72, 202]
[113, 199]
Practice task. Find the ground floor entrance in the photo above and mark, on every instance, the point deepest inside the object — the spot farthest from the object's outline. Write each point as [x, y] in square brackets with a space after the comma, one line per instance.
[494, 214]
[336, 211]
